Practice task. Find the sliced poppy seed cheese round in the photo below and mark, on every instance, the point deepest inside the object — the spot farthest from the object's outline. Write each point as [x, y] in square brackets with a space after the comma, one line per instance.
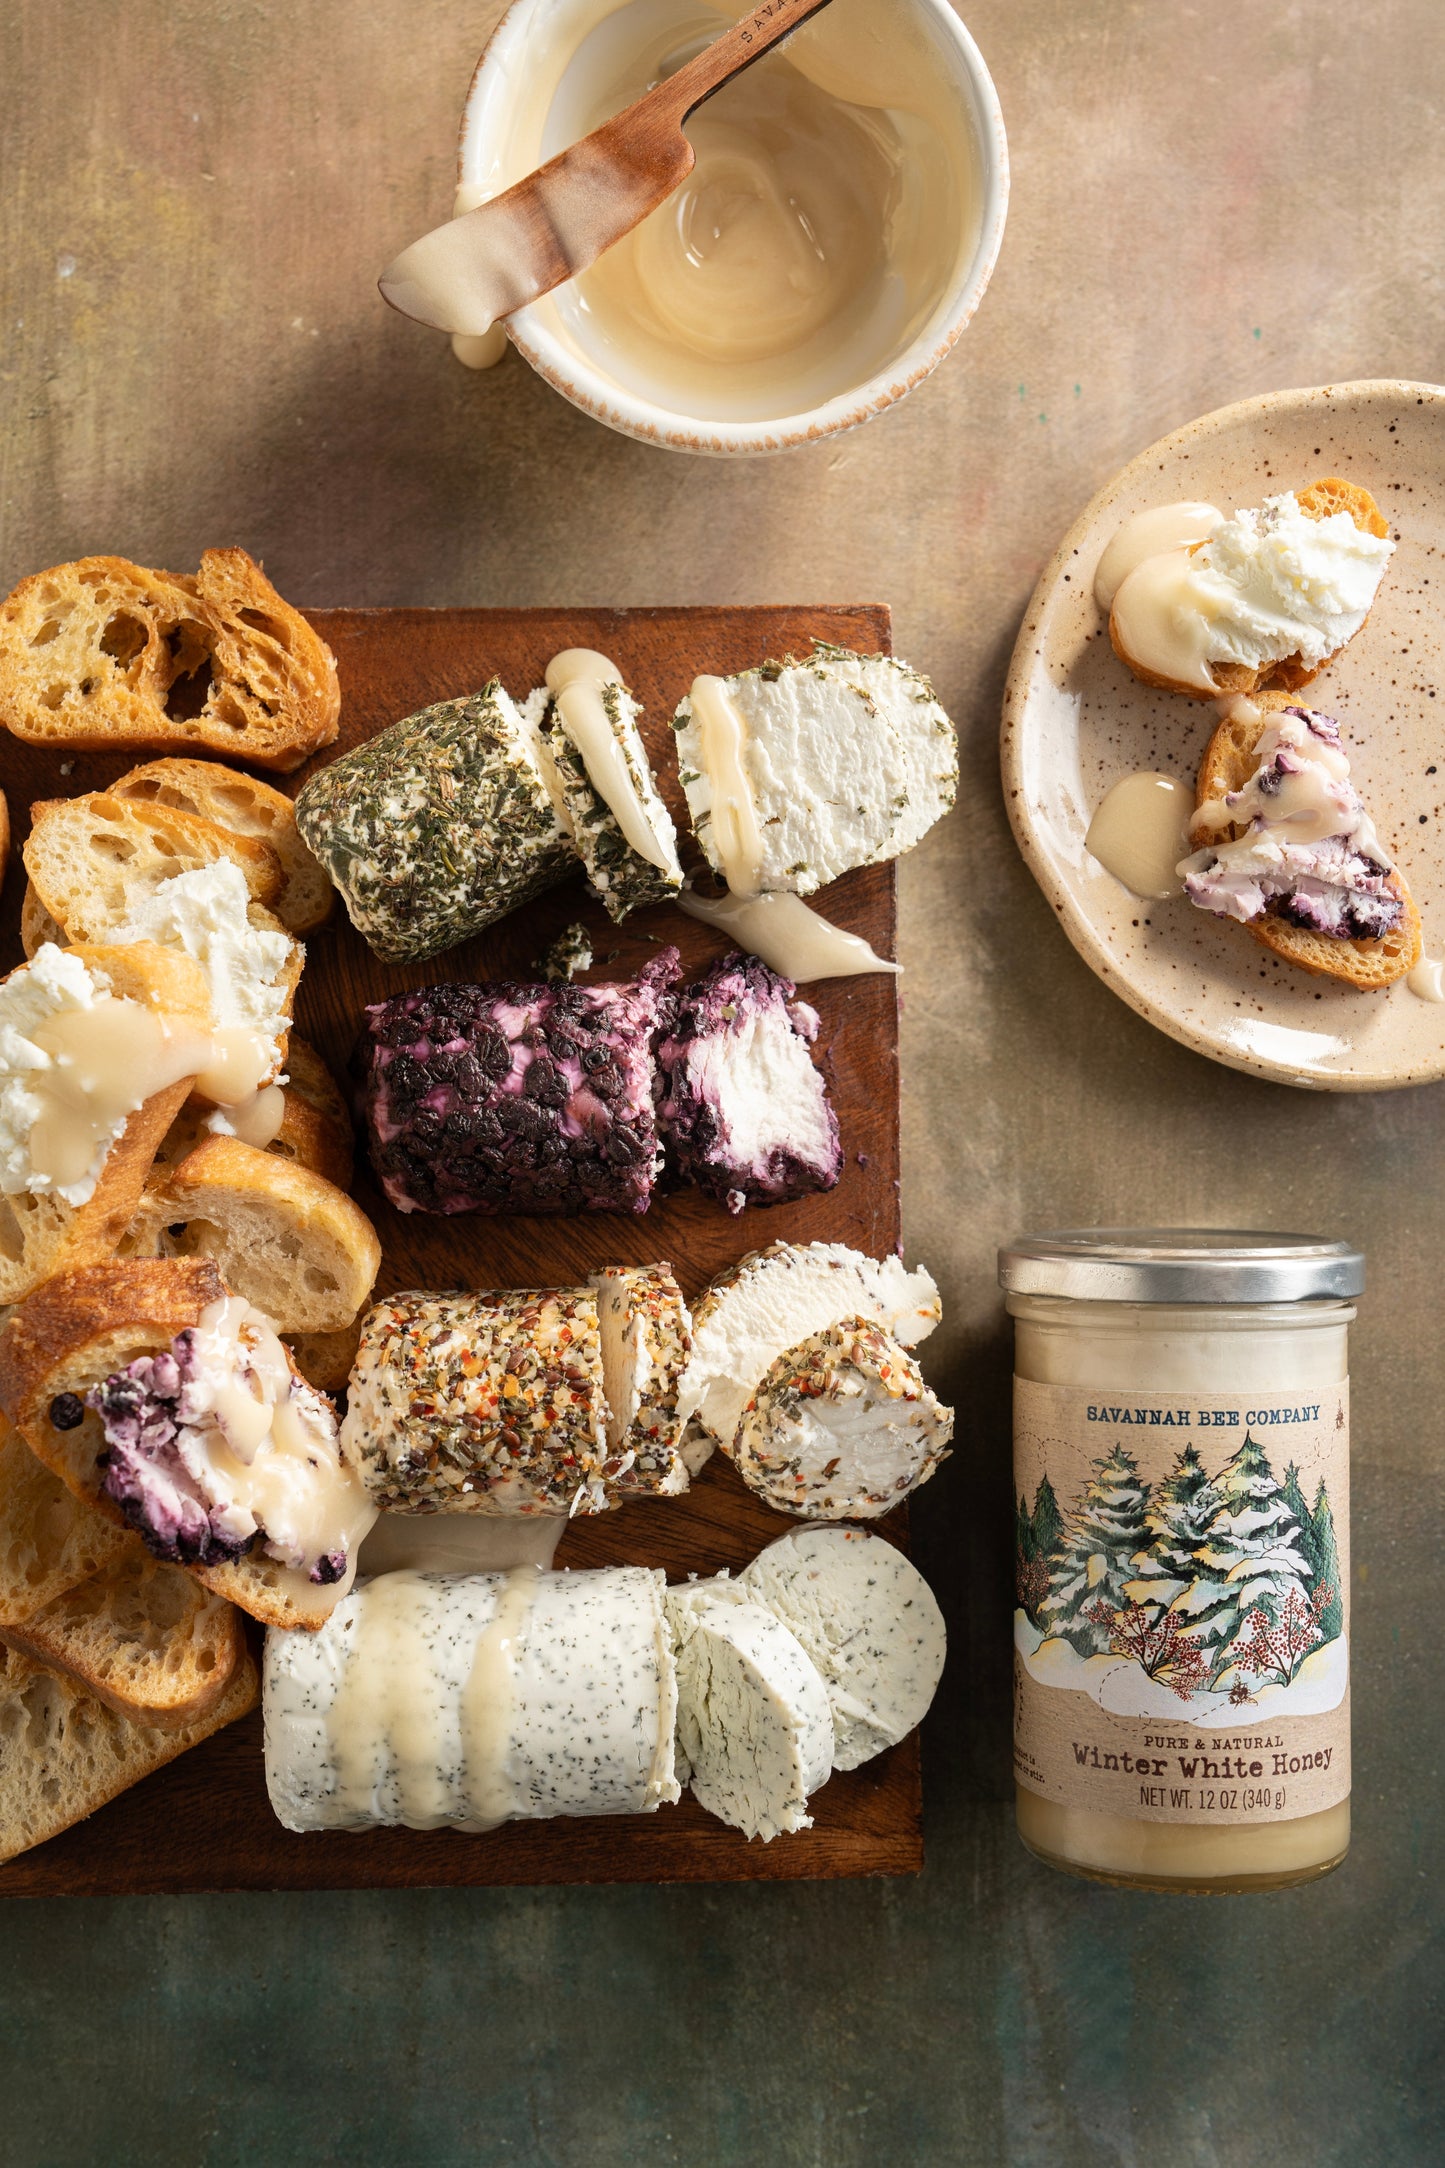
[621, 874]
[827, 781]
[870, 1623]
[755, 1730]
[646, 1340]
[434, 1699]
[774, 1299]
[481, 1403]
[439, 825]
[926, 739]
[842, 1427]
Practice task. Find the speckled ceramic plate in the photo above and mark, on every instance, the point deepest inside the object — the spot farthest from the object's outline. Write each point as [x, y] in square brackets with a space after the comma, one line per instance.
[1075, 721]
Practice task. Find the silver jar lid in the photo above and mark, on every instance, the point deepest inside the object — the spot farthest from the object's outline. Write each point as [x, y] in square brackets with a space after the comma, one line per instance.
[1180, 1264]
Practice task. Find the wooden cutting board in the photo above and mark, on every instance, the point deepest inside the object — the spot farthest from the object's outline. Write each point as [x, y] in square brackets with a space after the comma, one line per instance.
[204, 1822]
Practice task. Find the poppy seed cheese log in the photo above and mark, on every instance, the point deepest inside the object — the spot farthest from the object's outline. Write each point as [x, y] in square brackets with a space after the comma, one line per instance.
[753, 1721]
[516, 1098]
[486, 1403]
[438, 826]
[472, 1699]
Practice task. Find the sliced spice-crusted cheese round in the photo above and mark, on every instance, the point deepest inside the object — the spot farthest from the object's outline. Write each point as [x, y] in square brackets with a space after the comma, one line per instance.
[773, 1299]
[646, 1340]
[438, 826]
[473, 1699]
[481, 1403]
[868, 1620]
[842, 1427]
[754, 1725]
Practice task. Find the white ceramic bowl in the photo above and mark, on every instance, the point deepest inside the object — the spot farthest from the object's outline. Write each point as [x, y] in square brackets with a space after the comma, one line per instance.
[503, 120]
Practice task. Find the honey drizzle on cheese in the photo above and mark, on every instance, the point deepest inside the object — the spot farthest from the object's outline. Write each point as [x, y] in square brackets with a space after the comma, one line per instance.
[488, 1700]
[387, 1709]
[1164, 622]
[723, 736]
[106, 1061]
[576, 679]
[1162, 527]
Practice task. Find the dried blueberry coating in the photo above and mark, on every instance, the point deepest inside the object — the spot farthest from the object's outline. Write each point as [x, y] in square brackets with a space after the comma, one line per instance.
[145, 1471]
[517, 1098]
[744, 1111]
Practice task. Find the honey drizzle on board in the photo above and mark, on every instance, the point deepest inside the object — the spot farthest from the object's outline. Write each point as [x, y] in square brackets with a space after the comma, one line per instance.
[788, 934]
[1140, 832]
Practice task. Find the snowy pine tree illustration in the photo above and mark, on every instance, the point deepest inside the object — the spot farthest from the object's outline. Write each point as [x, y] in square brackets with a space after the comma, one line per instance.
[1254, 1554]
[1329, 1572]
[1047, 1525]
[1102, 1532]
[1178, 1521]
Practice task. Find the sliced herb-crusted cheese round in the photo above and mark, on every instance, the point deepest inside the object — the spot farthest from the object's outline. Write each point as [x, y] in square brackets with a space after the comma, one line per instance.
[842, 1427]
[926, 739]
[438, 826]
[870, 1623]
[620, 874]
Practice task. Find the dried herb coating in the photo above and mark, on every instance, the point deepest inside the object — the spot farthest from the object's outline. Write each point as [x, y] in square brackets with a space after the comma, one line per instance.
[745, 1112]
[481, 1403]
[516, 1098]
[439, 826]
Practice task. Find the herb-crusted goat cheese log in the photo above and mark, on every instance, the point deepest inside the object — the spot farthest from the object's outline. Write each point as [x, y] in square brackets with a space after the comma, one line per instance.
[619, 873]
[513, 1098]
[868, 1620]
[439, 826]
[646, 1340]
[745, 1112]
[926, 739]
[842, 1427]
[474, 1699]
[486, 1403]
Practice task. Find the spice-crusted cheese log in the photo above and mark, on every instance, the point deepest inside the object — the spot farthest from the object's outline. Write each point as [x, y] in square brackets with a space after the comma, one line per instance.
[842, 1427]
[753, 1722]
[474, 1699]
[439, 826]
[869, 1622]
[621, 875]
[485, 1403]
[646, 1340]
[744, 1110]
[926, 739]
[773, 1299]
[511, 1098]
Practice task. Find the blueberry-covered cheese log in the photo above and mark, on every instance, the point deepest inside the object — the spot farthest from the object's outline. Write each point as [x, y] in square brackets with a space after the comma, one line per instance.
[440, 825]
[646, 1340]
[842, 1427]
[869, 1622]
[775, 1298]
[433, 1699]
[755, 1731]
[796, 772]
[481, 1403]
[745, 1111]
[515, 1098]
[622, 831]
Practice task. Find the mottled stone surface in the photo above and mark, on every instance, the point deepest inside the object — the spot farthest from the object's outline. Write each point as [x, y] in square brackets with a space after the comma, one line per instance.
[1208, 202]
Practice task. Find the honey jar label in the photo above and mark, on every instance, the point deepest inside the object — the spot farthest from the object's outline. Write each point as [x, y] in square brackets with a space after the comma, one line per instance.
[1181, 1621]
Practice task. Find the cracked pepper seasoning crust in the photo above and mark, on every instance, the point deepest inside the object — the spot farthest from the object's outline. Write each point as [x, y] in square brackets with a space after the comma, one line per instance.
[485, 1403]
[437, 827]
